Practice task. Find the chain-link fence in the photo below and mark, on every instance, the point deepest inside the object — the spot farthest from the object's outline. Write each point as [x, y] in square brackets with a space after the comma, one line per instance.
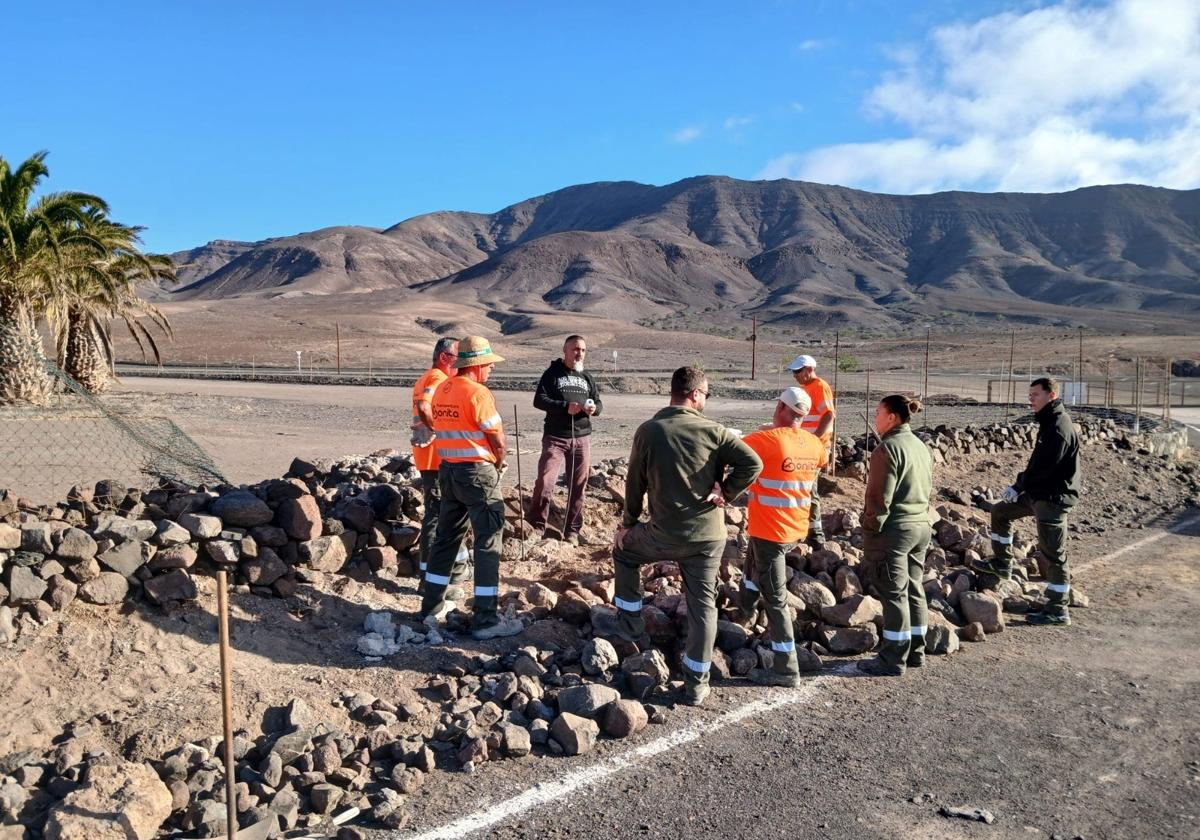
[77, 438]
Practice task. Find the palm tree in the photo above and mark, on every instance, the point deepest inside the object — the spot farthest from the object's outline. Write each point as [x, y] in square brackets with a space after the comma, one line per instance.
[94, 289]
[33, 236]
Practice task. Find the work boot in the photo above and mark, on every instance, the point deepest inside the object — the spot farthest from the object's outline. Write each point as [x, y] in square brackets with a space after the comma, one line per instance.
[915, 661]
[1049, 619]
[572, 539]
[695, 695]
[876, 667]
[991, 567]
[503, 627]
[455, 594]
[438, 614]
[815, 540]
[765, 676]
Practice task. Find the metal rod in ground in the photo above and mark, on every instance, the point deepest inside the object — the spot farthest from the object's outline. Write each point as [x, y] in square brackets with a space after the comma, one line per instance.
[520, 487]
[1167, 392]
[1079, 373]
[338, 332]
[754, 348]
[226, 703]
[1137, 395]
[833, 426]
[867, 419]
[1008, 393]
[925, 387]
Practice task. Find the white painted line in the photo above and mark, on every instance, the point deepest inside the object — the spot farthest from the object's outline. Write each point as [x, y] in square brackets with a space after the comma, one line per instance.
[586, 777]
[1177, 528]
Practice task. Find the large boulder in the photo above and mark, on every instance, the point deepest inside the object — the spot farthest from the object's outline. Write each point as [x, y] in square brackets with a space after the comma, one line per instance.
[176, 585]
[982, 608]
[576, 735]
[324, 554]
[24, 586]
[118, 802]
[10, 537]
[125, 558]
[850, 641]
[586, 700]
[241, 509]
[622, 718]
[599, 657]
[201, 525]
[299, 518]
[812, 592]
[853, 612]
[105, 588]
[75, 545]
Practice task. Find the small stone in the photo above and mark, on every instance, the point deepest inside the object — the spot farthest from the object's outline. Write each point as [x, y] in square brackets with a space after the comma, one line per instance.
[731, 636]
[171, 534]
[515, 740]
[855, 611]
[299, 518]
[24, 586]
[586, 700]
[324, 554]
[972, 632]
[75, 545]
[176, 585]
[125, 558]
[982, 608]
[242, 509]
[201, 525]
[850, 641]
[324, 797]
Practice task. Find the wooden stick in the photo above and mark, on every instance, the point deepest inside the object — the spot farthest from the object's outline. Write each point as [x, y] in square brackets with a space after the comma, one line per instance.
[226, 703]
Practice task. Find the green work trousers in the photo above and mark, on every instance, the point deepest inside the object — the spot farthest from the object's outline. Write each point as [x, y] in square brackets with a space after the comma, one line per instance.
[470, 494]
[897, 556]
[699, 563]
[765, 578]
[1052, 540]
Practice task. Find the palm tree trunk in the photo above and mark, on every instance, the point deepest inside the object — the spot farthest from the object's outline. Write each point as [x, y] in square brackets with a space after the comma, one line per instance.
[84, 360]
[23, 376]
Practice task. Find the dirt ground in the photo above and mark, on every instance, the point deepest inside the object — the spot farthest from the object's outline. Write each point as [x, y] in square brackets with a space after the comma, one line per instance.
[1091, 734]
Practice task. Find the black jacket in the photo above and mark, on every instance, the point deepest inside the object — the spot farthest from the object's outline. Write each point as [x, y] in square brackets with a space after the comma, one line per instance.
[549, 398]
[1052, 473]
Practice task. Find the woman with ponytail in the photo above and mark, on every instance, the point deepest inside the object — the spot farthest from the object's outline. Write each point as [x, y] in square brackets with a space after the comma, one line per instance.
[896, 533]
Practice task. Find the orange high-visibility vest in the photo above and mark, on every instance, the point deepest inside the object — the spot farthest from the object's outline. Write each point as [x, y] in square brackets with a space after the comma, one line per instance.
[425, 457]
[462, 411]
[780, 496]
[822, 401]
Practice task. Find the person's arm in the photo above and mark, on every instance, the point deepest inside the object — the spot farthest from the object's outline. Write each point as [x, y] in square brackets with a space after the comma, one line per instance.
[745, 463]
[830, 414]
[881, 485]
[425, 411]
[490, 422]
[544, 398]
[635, 482]
[498, 443]
[1049, 450]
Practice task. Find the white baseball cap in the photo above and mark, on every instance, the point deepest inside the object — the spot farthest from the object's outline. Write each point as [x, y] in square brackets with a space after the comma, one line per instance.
[797, 399]
[803, 361]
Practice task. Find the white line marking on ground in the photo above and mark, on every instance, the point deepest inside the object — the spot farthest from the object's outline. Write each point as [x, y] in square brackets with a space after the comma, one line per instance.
[576, 780]
[544, 793]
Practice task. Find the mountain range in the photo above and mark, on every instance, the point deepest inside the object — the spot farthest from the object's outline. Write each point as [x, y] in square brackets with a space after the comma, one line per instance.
[789, 252]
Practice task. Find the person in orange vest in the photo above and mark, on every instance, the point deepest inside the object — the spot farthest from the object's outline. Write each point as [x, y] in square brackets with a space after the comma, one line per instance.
[819, 421]
[425, 458]
[469, 436]
[778, 518]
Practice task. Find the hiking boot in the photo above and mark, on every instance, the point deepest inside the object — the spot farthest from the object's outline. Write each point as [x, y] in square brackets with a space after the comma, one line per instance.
[765, 676]
[915, 661]
[571, 539]
[1049, 619]
[503, 627]
[815, 540]
[876, 667]
[695, 695]
[990, 567]
[455, 593]
[438, 614]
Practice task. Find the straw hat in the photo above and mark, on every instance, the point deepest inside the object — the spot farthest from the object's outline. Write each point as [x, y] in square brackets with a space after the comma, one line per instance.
[476, 350]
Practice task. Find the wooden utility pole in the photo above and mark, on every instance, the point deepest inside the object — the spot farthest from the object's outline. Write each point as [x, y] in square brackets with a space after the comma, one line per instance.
[338, 332]
[226, 703]
[754, 348]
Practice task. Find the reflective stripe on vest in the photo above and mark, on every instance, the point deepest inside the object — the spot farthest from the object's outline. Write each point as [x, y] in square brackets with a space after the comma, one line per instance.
[460, 434]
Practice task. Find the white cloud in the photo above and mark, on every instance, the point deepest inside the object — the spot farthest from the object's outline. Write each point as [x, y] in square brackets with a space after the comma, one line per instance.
[1050, 99]
[734, 122]
[687, 134]
[809, 45]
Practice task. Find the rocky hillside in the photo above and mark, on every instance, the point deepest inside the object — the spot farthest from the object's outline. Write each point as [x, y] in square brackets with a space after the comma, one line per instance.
[790, 252]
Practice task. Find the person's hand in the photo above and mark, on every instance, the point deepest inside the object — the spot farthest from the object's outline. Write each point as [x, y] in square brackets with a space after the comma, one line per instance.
[590, 409]
[1010, 495]
[619, 537]
[502, 468]
[574, 408]
[716, 497]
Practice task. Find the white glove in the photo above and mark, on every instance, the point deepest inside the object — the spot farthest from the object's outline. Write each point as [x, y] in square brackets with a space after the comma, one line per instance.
[1010, 495]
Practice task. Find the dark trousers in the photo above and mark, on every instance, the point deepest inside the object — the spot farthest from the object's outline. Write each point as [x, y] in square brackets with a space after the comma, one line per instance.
[699, 562]
[470, 496]
[897, 556]
[1052, 540]
[432, 492]
[557, 452]
[765, 577]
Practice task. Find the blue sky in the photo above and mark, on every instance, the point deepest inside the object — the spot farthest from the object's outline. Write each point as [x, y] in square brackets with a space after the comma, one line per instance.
[216, 120]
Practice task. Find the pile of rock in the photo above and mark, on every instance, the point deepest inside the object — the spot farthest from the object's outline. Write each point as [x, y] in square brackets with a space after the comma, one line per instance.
[107, 544]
